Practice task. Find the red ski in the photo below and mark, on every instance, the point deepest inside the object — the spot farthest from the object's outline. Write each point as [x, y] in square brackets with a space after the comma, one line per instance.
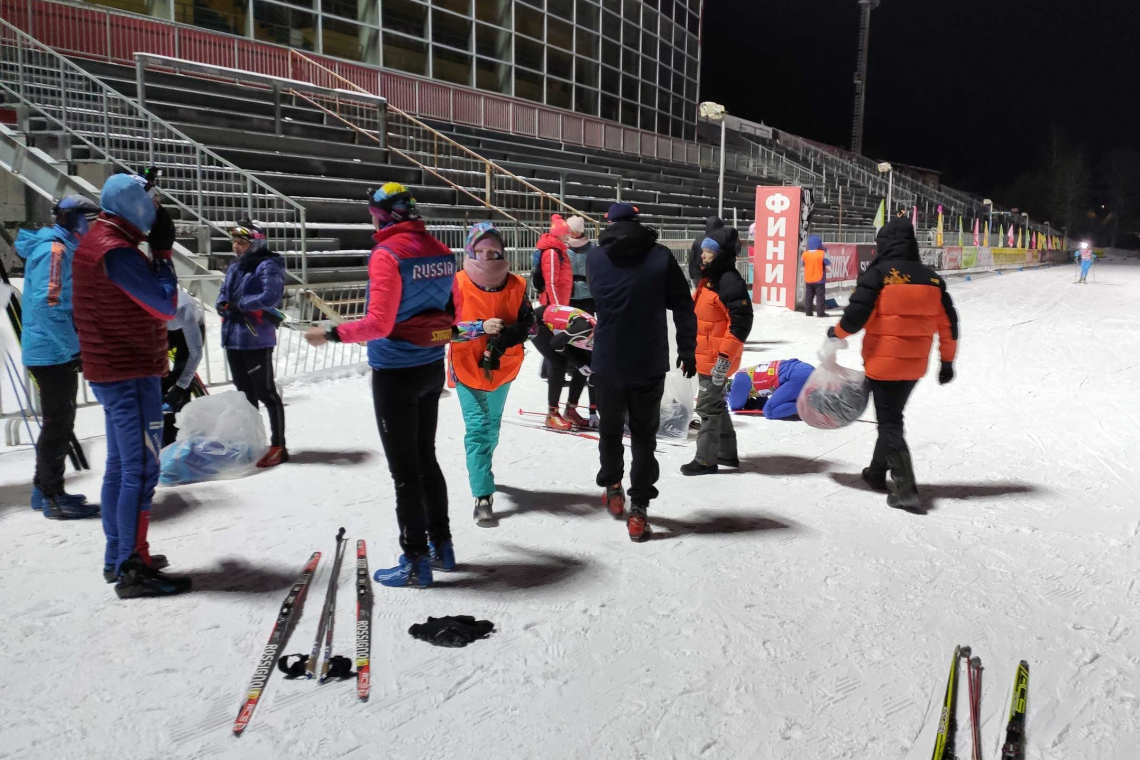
[363, 623]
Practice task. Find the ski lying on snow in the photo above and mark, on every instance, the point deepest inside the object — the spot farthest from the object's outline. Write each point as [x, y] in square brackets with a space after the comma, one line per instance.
[363, 623]
[580, 433]
[1014, 747]
[947, 725]
[286, 617]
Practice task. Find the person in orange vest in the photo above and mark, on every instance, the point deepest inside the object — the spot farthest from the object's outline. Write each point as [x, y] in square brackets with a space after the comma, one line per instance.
[494, 318]
[724, 320]
[815, 276]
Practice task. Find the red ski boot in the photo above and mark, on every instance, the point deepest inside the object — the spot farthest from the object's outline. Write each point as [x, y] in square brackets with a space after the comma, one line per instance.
[638, 525]
[578, 421]
[556, 421]
[614, 499]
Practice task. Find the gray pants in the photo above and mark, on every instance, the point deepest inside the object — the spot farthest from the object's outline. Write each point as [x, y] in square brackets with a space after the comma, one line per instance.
[717, 437]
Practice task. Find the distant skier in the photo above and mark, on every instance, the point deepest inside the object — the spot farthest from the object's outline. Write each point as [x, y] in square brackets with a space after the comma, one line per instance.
[564, 336]
[247, 303]
[901, 303]
[495, 318]
[724, 320]
[1086, 257]
[50, 349]
[771, 387]
[186, 334]
[123, 300]
[407, 327]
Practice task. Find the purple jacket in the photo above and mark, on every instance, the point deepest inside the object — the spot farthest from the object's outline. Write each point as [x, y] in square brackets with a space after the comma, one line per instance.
[254, 284]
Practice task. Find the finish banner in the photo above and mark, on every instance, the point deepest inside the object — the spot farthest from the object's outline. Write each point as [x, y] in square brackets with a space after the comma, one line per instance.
[777, 249]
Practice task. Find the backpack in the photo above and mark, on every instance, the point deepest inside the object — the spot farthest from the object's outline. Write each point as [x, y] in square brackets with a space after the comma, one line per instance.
[536, 278]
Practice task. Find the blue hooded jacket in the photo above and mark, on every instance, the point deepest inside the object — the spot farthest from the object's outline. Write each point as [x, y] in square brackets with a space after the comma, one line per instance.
[49, 335]
[254, 285]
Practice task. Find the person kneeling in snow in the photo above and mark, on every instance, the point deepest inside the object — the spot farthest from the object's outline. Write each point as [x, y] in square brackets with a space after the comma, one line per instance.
[772, 388]
[486, 353]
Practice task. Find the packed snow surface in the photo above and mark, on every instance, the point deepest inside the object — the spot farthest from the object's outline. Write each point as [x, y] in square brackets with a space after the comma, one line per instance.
[781, 611]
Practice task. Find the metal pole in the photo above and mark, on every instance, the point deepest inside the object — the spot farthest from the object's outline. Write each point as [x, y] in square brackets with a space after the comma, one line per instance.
[63, 90]
[991, 225]
[106, 124]
[720, 201]
[840, 210]
[198, 161]
[890, 191]
[277, 109]
[304, 252]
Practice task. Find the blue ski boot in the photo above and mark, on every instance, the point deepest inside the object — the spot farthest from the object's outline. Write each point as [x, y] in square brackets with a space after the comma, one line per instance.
[410, 572]
[442, 555]
[38, 498]
[68, 507]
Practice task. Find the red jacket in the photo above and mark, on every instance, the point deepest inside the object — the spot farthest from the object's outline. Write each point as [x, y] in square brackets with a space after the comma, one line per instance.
[557, 271]
[119, 339]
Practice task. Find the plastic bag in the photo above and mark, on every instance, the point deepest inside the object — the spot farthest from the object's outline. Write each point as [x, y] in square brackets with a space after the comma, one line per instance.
[833, 396]
[219, 436]
[679, 401]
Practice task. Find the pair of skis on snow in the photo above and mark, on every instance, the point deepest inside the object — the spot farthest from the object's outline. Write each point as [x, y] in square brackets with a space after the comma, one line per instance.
[1014, 746]
[290, 612]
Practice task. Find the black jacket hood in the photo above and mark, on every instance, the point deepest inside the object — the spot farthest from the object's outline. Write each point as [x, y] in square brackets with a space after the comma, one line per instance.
[725, 260]
[627, 242]
[712, 224]
[897, 241]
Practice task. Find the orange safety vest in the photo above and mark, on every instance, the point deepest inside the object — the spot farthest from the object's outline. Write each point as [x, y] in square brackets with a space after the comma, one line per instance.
[481, 304]
[813, 266]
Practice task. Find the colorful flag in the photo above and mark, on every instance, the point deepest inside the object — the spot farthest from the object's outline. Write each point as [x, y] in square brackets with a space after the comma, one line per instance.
[977, 225]
[938, 236]
[987, 232]
[1001, 233]
[1019, 237]
[961, 230]
[881, 216]
[1009, 239]
[914, 218]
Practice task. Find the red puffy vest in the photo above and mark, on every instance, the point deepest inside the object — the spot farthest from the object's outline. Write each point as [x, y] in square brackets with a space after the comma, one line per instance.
[118, 339]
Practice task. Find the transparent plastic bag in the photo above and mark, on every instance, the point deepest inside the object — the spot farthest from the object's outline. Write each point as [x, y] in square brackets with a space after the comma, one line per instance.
[220, 436]
[679, 401]
[833, 396]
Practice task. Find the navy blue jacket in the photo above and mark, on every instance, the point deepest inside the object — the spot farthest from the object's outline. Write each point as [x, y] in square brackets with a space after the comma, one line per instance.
[633, 281]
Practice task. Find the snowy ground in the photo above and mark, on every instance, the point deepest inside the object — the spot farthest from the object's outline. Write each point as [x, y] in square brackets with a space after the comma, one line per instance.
[782, 612]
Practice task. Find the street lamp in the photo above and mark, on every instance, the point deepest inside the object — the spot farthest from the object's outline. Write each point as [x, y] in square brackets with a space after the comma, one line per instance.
[716, 112]
[990, 203]
[887, 169]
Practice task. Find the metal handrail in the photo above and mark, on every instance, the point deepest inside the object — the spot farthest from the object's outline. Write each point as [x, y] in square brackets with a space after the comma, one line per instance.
[201, 183]
[407, 129]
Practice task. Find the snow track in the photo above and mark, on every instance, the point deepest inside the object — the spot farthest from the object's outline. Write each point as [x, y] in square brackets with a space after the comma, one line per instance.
[781, 612]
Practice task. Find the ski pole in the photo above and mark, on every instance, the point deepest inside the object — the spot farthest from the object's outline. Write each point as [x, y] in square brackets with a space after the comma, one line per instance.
[340, 543]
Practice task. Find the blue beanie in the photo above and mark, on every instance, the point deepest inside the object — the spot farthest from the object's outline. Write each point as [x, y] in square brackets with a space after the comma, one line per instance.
[125, 196]
[815, 243]
[620, 212]
[708, 244]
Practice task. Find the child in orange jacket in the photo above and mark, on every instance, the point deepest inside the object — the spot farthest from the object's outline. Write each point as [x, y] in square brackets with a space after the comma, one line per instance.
[724, 320]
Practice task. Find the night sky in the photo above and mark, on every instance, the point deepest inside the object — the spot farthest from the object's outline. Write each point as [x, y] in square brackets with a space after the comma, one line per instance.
[969, 87]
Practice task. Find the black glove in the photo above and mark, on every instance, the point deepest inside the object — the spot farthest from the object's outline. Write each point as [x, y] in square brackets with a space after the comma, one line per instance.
[946, 374]
[688, 365]
[161, 237]
[452, 631]
[175, 397]
[831, 332]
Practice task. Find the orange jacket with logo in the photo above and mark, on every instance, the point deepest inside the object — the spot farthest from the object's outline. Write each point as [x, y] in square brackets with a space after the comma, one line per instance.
[900, 303]
[509, 305]
[724, 313]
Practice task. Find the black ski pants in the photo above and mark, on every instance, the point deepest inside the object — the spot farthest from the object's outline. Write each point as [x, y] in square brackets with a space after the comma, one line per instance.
[638, 401]
[252, 371]
[890, 397]
[569, 360]
[407, 408]
[817, 292]
[58, 384]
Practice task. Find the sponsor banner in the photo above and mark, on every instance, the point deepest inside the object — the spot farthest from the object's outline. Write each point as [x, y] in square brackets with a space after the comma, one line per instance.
[932, 257]
[1004, 257]
[952, 258]
[867, 254]
[777, 246]
[844, 258]
[969, 257]
[985, 256]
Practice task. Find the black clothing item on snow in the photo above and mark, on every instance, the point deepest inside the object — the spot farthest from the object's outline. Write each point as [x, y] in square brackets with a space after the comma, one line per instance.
[633, 281]
[815, 291]
[58, 384]
[406, 400]
[452, 631]
[640, 401]
[252, 371]
[569, 359]
[897, 249]
[890, 397]
[728, 238]
[732, 290]
[577, 379]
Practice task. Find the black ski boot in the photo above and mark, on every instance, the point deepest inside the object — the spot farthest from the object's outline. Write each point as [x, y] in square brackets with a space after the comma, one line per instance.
[904, 491]
[697, 467]
[728, 461]
[876, 479]
[157, 562]
[137, 580]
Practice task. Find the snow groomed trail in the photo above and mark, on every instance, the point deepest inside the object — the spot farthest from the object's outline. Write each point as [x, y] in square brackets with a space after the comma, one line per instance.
[781, 611]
